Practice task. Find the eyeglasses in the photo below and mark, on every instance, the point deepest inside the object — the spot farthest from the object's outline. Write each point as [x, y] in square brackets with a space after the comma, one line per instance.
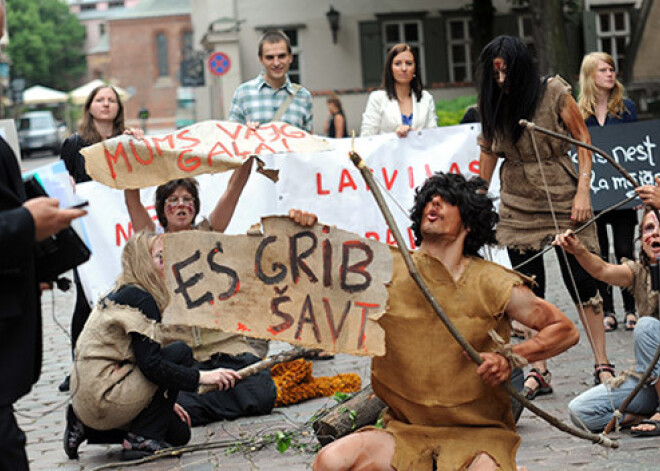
[187, 200]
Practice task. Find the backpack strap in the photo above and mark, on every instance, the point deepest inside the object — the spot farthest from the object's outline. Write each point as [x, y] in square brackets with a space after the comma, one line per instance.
[287, 101]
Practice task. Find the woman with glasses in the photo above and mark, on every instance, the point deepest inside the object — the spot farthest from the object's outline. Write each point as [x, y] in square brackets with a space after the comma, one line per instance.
[177, 206]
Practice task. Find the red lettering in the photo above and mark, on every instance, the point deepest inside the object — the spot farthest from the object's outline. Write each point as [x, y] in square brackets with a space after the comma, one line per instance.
[389, 183]
[233, 136]
[194, 142]
[363, 322]
[249, 132]
[120, 234]
[319, 185]
[286, 145]
[429, 173]
[474, 167]
[346, 180]
[389, 238]
[263, 149]
[136, 154]
[273, 129]
[411, 239]
[115, 158]
[289, 131]
[188, 164]
[411, 178]
[372, 235]
[242, 328]
[237, 152]
[453, 168]
[169, 139]
[223, 150]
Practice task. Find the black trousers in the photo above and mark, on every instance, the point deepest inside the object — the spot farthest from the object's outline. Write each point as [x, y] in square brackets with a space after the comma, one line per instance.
[12, 442]
[81, 312]
[254, 395]
[587, 286]
[623, 223]
[158, 420]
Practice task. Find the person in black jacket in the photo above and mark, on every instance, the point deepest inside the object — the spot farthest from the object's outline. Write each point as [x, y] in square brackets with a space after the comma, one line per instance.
[22, 223]
[103, 118]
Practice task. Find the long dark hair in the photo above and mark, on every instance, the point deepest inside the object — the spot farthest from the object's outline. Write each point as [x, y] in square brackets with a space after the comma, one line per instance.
[502, 107]
[87, 128]
[388, 82]
[474, 205]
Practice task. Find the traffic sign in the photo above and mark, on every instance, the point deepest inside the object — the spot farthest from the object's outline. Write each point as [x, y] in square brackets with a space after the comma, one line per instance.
[219, 63]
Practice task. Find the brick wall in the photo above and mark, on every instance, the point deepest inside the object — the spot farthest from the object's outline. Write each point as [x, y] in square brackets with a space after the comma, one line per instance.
[134, 63]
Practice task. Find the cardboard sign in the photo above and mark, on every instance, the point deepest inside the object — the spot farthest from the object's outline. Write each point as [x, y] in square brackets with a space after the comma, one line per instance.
[207, 147]
[318, 287]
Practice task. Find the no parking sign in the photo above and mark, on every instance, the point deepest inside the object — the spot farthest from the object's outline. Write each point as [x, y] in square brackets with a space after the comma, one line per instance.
[219, 63]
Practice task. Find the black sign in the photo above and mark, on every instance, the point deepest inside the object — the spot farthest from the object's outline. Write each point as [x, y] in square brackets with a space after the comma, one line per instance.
[192, 72]
[635, 147]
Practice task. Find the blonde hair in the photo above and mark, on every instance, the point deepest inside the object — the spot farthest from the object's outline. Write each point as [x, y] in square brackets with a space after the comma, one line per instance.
[587, 101]
[137, 267]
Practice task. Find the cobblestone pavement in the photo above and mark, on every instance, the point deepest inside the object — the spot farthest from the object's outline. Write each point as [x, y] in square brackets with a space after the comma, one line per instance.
[41, 413]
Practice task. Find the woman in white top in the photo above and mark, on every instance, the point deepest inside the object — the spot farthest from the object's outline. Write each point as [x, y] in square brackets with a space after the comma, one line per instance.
[401, 105]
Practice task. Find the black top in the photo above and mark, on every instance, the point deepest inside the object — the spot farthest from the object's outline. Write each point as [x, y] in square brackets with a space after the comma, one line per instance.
[20, 303]
[147, 353]
[332, 132]
[73, 159]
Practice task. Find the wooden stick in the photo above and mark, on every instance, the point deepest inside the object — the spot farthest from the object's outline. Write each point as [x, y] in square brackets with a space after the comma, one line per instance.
[255, 368]
[472, 353]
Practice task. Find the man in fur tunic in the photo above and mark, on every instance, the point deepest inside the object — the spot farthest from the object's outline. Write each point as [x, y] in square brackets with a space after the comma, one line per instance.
[442, 408]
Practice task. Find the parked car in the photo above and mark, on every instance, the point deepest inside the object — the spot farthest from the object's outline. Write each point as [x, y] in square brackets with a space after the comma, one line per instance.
[38, 130]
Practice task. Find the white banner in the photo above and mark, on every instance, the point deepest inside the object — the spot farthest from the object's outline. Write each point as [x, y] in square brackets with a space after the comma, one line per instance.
[325, 183]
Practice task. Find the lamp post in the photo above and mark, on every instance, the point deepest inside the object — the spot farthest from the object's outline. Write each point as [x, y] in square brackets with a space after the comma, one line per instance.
[333, 19]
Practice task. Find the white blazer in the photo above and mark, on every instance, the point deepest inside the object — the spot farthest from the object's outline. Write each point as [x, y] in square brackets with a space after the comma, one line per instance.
[383, 115]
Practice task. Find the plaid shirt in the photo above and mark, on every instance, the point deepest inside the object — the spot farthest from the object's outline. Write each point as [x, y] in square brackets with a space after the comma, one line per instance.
[256, 100]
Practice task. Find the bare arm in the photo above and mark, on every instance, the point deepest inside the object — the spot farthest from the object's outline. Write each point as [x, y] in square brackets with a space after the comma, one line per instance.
[487, 163]
[226, 205]
[570, 115]
[619, 275]
[556, 332]
[140, 219]
[650, 194]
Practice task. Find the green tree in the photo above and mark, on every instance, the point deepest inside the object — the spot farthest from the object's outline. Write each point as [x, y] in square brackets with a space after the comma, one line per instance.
[45, 43]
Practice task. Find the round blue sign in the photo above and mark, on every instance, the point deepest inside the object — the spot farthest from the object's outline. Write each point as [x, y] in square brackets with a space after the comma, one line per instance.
[219, 63]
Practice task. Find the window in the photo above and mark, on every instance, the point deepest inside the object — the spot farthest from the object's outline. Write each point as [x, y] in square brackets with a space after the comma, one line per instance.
[459, 46]
[294, 70]
[101, 29]
[613, 32]
[407, 31]
[162, 55]
[525, 33]
[87, 6]
[116, 4]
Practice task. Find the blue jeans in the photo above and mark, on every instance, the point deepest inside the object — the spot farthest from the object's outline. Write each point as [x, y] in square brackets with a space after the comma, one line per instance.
[594, 408]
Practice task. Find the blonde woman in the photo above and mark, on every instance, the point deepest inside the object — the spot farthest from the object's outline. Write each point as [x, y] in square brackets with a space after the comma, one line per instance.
[602, 104]
[124, 385]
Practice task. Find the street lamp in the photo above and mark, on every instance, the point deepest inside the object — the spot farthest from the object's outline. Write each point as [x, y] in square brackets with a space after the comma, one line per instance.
[333, 19]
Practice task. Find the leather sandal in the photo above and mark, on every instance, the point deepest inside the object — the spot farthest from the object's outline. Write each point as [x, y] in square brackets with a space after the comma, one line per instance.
[630, 321]
[543, 384]
[610, 322]
[602, 368]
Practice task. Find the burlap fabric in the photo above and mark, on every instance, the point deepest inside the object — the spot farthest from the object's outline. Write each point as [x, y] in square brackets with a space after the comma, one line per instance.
[438, 407]
[108, 388]
[525, 216]
[646, 299]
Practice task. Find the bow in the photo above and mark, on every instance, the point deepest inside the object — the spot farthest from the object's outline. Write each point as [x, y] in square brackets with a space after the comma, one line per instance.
[618, 413]
[472, 353]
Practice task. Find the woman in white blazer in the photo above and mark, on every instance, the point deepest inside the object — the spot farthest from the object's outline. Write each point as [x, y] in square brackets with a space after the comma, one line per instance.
[401, 105]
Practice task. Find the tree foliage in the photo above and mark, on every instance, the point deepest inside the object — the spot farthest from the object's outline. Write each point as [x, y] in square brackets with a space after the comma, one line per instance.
[45, 43]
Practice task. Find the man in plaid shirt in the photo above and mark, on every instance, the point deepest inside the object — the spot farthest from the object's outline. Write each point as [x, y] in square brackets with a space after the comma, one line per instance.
[257, 101]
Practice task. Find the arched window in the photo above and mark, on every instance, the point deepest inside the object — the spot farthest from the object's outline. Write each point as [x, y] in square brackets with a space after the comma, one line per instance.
[162, 55]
